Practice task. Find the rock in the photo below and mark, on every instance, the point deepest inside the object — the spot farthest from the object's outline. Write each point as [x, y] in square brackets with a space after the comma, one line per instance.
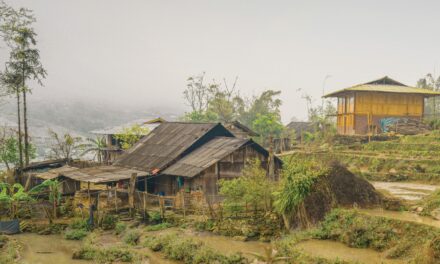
[392, 171]
[419, 209]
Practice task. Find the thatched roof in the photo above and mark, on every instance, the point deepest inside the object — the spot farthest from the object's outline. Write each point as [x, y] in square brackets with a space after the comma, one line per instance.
[167, 143]
[385, 85]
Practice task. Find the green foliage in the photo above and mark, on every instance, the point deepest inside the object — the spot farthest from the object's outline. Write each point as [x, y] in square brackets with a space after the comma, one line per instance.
[120, 228]
[75, 234]
[297, 179]
[189, 251]
[96, 146]
[253, 188]
[9, 154]
[132, 237]
[129, 136]
[104, 255]
[155, 217]
[399, 238]
[269, 124]
[79, 224]
[65, 146]
[158, 227]
[214, 102]
[430, 203]
[53, 186]
[8, 250]
[108, 222]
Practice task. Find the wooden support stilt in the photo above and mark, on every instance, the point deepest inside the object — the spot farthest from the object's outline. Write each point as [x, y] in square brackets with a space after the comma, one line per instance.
[131, 189]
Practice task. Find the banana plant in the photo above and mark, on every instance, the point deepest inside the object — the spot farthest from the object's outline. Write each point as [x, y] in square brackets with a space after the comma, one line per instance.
[53, 186]
[12, 195]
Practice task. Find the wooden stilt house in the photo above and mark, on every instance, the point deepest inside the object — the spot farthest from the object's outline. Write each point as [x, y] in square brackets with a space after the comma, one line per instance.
[362, 107]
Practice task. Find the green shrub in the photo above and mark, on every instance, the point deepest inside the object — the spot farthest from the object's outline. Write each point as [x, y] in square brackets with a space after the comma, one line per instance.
[79, 224]
[189, 251]
[108, 222]
[155, 217]
[362, 231]
[132, 237]
[107, 255]
[158, 227]
[120, 228]
[75, 234]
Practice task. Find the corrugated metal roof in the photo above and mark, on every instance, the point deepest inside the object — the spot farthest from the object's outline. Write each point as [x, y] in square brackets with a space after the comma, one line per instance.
[99, 174]
[386, 85]
[205, 156]
[166, 143]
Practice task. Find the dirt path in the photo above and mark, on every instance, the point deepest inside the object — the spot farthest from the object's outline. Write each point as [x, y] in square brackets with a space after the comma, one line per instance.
[406, 190]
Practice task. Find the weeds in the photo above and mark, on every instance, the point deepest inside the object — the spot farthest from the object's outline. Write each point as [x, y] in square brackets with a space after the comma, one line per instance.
[158, 227]
[120, 228]
[132, 237]
[189, 251]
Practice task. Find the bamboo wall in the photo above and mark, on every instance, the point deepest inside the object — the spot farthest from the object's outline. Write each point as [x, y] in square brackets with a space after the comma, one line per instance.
[360, 112]
[389, 104]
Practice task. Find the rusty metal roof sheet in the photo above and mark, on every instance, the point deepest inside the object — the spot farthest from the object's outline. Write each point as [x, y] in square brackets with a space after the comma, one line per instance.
[205, 156]
[168, 142]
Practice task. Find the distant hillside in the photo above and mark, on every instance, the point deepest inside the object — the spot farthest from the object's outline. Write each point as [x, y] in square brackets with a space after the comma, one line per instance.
[76, 117]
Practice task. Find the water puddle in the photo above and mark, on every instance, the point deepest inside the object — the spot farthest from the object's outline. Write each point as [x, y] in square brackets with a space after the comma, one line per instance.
[406, 190]
[335, 250]
[402, 216]
[52, 249]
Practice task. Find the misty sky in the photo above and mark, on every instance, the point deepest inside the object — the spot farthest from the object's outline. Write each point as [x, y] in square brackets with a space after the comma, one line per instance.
[141, 52]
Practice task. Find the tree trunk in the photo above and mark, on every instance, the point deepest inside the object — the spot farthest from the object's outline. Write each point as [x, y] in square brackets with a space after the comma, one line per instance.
[20, 145]
[26, 135]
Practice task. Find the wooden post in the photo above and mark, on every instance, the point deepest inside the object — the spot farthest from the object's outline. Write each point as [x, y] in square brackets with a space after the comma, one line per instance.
[88, 193]
[97, 209]
[145, 184]
[116, 199]
[131, 190]
[145, 203]
[183, 204]
[162, 209]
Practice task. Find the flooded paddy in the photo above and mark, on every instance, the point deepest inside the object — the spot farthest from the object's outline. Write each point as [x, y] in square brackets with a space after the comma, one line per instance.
[51, 249]
[406, 190]
[335, 250]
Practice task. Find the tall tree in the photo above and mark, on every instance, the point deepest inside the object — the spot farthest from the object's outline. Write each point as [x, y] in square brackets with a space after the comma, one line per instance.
[24, 64]
[430, 82]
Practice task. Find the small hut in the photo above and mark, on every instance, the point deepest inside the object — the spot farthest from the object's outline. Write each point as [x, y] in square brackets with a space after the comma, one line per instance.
[362, 107]
[113, 148]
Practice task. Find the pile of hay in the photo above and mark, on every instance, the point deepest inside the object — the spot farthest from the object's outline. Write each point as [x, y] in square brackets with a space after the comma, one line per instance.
[338, 187]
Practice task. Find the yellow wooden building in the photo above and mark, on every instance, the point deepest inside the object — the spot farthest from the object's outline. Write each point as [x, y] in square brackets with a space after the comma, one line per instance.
[361, 107]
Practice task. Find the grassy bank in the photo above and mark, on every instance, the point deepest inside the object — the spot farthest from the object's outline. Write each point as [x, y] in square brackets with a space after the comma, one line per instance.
[414, 242]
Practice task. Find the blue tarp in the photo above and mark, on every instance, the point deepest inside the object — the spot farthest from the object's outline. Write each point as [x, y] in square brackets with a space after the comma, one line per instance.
[386, 122]
[10, 227]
